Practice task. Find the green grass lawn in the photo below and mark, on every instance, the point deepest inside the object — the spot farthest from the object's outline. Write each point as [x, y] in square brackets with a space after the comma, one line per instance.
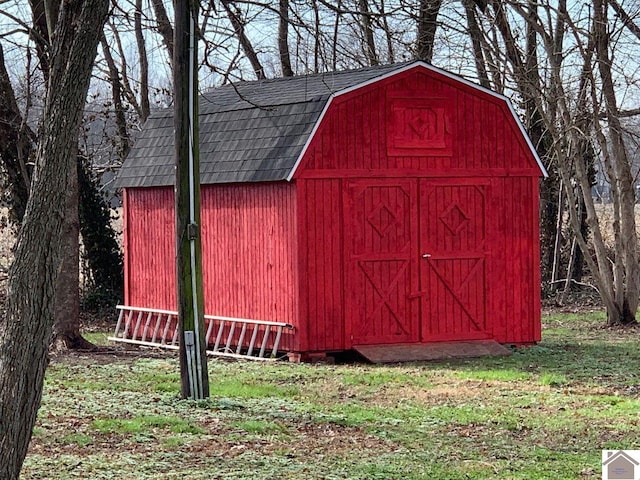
[546, 412]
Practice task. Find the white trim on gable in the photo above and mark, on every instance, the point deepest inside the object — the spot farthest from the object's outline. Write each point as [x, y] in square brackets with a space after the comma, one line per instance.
[405, 68]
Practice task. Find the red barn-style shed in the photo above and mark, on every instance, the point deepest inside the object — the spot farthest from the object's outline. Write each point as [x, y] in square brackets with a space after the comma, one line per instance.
[388, 205]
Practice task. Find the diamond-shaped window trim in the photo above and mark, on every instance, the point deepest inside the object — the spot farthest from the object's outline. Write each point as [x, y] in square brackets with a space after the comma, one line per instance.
[382, 218]
[424, 124]
[454, 218]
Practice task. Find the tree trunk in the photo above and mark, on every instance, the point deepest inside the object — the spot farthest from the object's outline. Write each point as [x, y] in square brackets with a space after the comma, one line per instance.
[574, 169]
[15, 153]
[283, 39]
[25, 330]
[427, 26]
[570, 268]
[384, 19]
[336, 33]
[66, 329]
[367, 32]
[578, 269]
[527, 77]
[144, 65]
[116, 96]
[164, 26]
[626, 18]
[476, 43]
[45, 15]
[628, 287]
[317, 37]
[557, 242]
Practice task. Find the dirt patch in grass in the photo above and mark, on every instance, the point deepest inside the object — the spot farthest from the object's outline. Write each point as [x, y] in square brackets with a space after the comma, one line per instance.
[428, 396]
[307, 439]
[109, 354]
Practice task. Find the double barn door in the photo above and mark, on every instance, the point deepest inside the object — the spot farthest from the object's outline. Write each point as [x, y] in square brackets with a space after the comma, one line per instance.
[415, 260]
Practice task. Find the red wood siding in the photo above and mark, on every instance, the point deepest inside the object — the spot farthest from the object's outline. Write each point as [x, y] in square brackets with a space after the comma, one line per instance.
[481, 137]
[150, 237]
[125, 247]
[479, 280]
[392, 174]
[249, 251]
[514, 290]
[321, 265]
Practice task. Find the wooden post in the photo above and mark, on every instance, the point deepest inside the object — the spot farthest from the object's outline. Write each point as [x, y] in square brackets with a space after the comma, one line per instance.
[193, 360]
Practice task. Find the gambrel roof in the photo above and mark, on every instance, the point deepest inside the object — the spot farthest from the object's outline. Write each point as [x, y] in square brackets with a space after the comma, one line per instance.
[254, 131]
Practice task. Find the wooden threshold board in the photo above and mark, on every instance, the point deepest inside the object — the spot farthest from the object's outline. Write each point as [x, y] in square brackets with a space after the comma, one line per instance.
[415, 352]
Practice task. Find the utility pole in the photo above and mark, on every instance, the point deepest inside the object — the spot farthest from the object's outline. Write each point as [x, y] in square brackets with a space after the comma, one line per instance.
[193, 359]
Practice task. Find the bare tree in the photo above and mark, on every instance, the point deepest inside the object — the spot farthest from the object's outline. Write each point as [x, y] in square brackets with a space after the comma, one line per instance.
[164, 26]
[578, 119]
[25, 329]
[626, 290]
[16, 147]
[116, 97]
[384, 24]
[476, 41]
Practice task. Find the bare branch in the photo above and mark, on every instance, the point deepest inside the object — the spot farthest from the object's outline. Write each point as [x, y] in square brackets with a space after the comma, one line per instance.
[626, 19]
[145, 110]
[238, 24]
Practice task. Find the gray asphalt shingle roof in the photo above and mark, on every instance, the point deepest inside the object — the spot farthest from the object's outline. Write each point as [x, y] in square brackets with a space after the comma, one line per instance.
[249, 131]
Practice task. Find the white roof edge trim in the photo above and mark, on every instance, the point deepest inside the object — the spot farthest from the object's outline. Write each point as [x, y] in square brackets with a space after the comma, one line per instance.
[409, 66]
[310, 137]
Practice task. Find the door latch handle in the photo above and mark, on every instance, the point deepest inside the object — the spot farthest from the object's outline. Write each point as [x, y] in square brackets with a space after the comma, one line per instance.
[426, 255]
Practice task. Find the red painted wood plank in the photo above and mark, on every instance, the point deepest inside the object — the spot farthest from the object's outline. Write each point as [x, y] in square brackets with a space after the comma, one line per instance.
[151, 248]
[483, 130]
[321, 275]
[303, 267]
[126, 248]
[409, 172]
[248, 252]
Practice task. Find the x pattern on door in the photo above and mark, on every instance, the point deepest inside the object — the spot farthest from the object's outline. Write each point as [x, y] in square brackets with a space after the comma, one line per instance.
[384, 307]
[458, 291]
